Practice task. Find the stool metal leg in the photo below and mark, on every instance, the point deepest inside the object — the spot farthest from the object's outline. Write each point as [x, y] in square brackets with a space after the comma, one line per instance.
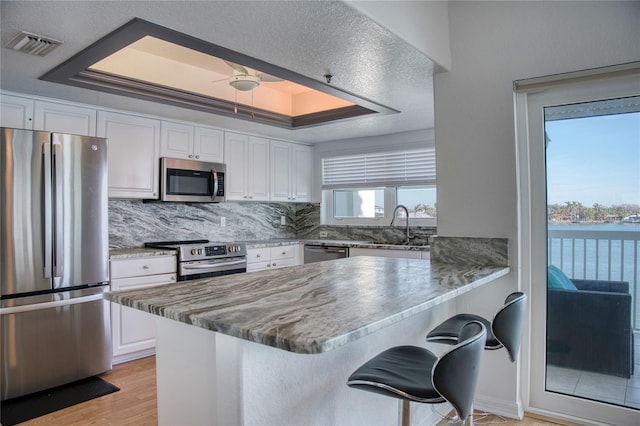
[404, 414]
[469, 420]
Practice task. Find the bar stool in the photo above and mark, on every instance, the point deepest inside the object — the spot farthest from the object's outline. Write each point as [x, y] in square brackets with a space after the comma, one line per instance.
[412, 373]
[504, 331]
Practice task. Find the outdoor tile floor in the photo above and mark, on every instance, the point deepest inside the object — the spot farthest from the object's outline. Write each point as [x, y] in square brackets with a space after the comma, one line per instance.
[596, 386]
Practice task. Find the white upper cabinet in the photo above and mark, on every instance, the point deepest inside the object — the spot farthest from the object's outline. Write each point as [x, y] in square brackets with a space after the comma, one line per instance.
[301, 173]
[247, 159]
[134, 153]
[64, 118]
[16, 112]
[290, 172]
[176, 140]
[209, 145]
[192, 143]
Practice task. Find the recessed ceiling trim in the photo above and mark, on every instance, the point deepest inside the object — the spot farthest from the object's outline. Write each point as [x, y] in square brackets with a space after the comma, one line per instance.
[75, 72]
[143, 90]
[321, 117]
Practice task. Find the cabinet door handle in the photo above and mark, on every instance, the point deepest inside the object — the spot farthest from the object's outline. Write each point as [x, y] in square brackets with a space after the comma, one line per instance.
[190, 156]
[145, 267]
[197, 156]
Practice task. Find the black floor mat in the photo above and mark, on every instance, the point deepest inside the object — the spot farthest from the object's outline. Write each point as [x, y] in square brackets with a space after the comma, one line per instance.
[27, 407]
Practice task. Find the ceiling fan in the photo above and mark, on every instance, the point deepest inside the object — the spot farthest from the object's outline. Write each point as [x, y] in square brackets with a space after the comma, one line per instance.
[245, 79]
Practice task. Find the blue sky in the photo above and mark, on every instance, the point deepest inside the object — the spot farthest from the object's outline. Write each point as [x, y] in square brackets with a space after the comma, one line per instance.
[594, 160]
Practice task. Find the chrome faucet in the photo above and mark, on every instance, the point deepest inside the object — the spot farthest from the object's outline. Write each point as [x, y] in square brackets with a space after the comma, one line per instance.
[406, 212]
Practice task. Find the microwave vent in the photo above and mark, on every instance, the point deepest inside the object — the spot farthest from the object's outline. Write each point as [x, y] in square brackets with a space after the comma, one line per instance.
[33, 44]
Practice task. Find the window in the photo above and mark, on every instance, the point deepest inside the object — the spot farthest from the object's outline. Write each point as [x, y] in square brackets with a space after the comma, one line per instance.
[364, 189]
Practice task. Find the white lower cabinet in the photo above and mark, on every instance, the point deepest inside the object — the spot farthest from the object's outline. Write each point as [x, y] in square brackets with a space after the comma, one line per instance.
[407, 254]
[272, 257]
[134, 332]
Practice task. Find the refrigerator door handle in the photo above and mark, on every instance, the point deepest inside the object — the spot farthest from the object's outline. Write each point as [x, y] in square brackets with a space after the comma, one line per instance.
[59, 206]
[47, 305]
[48, 231]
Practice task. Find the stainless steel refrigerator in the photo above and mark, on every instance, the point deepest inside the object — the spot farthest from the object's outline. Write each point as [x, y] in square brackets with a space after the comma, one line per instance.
[53, 260]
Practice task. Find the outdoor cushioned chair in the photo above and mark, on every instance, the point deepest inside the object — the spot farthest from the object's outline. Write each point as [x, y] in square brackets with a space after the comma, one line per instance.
[589, 324]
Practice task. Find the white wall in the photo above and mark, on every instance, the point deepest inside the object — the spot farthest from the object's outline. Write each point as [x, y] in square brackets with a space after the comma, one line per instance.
[423, 24]
[493, 44]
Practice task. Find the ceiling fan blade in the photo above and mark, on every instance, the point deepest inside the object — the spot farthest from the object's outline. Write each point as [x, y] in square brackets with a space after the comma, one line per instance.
[263, 76]
[221, 79]
[236, 67]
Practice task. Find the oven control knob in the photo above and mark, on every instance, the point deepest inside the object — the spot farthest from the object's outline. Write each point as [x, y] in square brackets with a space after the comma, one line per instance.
[199, 251]
[194, 251]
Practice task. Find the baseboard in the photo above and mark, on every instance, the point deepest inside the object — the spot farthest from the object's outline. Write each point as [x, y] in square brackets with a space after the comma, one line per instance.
[500, 407]
[133, 356]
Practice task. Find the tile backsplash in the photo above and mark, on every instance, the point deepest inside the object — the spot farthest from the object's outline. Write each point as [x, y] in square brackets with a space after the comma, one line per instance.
[134, 222]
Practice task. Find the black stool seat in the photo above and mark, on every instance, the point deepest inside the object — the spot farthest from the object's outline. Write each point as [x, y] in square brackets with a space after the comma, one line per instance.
[411, 373]
[400, 372]
[448, 331]
[503, 331]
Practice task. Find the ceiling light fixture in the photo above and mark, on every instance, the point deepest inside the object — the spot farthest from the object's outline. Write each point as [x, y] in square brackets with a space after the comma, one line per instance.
[244, 83]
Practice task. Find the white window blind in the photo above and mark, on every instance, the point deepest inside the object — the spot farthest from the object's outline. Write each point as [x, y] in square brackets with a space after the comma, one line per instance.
[415, 167]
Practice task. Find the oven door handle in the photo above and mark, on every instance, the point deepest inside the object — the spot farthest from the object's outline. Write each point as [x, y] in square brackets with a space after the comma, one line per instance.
[214, 265]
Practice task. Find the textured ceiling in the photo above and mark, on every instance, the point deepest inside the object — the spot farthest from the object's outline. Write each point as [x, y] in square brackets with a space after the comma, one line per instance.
[307, 37]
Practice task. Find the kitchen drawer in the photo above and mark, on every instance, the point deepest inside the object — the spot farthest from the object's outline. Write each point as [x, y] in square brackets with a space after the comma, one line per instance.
[258, 255]
[136, 267]
[271, 264]
[284, 252]
[281, 263]
[144, 281]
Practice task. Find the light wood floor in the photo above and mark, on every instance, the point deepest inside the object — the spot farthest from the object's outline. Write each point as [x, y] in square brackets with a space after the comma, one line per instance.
[135, 403]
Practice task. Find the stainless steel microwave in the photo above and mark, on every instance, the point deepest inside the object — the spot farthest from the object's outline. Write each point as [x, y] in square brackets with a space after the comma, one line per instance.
[191, 181]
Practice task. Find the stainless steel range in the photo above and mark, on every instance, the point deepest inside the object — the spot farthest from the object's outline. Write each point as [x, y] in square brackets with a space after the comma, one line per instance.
[204, 259]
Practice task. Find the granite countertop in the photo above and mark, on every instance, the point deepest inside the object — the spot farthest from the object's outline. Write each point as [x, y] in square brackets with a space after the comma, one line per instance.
[334, 243]
[133, 252]
[311, 308]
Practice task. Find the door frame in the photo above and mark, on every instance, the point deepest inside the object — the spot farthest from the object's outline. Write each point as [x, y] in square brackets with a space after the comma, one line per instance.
[530, 96]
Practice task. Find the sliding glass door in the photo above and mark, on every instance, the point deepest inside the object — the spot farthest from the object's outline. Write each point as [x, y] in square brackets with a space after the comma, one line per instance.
[593, 232]
[579, 247]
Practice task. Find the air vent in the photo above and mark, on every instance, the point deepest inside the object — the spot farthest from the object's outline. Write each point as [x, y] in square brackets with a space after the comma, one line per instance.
[33, 44]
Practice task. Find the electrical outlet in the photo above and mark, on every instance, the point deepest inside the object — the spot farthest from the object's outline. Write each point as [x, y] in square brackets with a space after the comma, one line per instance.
[223, 222]
[323, 234]
[283, 220]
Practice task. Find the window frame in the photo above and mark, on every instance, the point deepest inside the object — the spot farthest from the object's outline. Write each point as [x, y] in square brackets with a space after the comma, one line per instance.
[390, 202]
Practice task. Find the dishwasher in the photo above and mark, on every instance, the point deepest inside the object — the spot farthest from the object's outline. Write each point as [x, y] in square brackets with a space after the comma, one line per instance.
[319, 253]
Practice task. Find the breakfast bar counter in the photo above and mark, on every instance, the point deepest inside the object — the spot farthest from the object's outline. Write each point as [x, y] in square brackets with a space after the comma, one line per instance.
[276, 347]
